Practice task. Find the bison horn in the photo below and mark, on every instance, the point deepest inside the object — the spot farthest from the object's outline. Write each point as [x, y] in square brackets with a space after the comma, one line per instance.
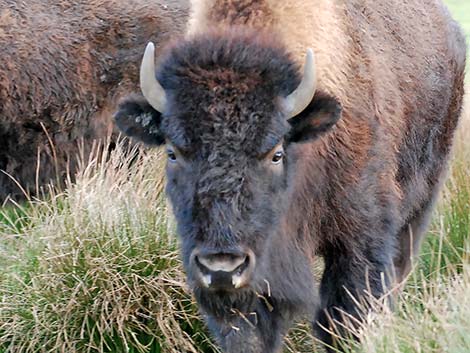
[151, 88]
[298, 100]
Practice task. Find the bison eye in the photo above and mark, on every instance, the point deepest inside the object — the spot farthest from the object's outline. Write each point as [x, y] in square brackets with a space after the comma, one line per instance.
[171, 155]
[277, 157]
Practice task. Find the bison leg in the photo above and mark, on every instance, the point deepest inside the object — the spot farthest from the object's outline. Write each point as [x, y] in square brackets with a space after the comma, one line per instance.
[348, 279]
[411, 236]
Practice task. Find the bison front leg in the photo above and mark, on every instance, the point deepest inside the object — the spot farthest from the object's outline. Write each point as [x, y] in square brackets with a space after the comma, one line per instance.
[260, 331]
[349, 279]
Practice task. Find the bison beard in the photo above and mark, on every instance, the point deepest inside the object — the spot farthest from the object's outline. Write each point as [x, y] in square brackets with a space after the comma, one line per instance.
[246, 322]
[356, 172]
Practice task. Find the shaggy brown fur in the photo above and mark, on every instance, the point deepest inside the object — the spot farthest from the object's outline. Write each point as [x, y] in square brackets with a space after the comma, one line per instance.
[63, 66]
[358, 193]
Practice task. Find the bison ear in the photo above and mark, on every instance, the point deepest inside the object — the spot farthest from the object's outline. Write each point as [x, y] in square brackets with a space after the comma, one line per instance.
[319, 117]
[136, 118]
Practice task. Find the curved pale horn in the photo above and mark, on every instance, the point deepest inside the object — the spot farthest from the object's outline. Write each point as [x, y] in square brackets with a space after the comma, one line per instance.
[151, 88]
[298, 100]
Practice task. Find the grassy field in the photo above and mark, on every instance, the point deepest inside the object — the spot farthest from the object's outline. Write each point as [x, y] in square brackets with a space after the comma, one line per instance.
[95, 269]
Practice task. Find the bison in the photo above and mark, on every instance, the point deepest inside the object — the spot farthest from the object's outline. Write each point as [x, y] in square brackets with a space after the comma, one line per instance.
[296, 130]
[64, 65]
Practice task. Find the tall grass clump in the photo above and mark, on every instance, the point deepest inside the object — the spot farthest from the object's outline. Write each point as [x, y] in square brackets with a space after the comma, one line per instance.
[95, 268]
[432, 319]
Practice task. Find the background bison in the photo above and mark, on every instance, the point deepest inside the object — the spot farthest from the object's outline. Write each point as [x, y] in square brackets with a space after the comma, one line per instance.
[63, 66]
[262, 178]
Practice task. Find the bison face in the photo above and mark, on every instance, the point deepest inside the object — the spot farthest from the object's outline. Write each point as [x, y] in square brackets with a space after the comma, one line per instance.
[220, 108]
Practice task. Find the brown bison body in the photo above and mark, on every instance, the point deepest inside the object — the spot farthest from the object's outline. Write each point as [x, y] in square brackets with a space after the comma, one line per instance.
[263, 178]
[63, 65]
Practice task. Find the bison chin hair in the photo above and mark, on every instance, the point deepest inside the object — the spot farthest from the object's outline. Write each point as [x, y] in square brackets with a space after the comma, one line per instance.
[246, 320]
[225, 304]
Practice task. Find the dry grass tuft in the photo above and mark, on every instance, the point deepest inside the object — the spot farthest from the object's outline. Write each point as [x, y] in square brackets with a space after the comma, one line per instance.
[94, 270]
[430, 316]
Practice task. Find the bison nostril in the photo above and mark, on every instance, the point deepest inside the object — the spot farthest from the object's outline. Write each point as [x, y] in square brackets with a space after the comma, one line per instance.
[221, 262]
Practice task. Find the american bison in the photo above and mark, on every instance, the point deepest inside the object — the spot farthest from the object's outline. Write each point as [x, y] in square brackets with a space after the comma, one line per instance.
[270, 165]
[63, 66]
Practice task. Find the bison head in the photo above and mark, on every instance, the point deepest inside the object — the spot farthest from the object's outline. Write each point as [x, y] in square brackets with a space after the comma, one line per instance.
[232, 110]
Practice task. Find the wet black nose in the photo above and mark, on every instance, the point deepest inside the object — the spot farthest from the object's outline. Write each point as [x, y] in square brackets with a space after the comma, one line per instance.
[223, 270]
